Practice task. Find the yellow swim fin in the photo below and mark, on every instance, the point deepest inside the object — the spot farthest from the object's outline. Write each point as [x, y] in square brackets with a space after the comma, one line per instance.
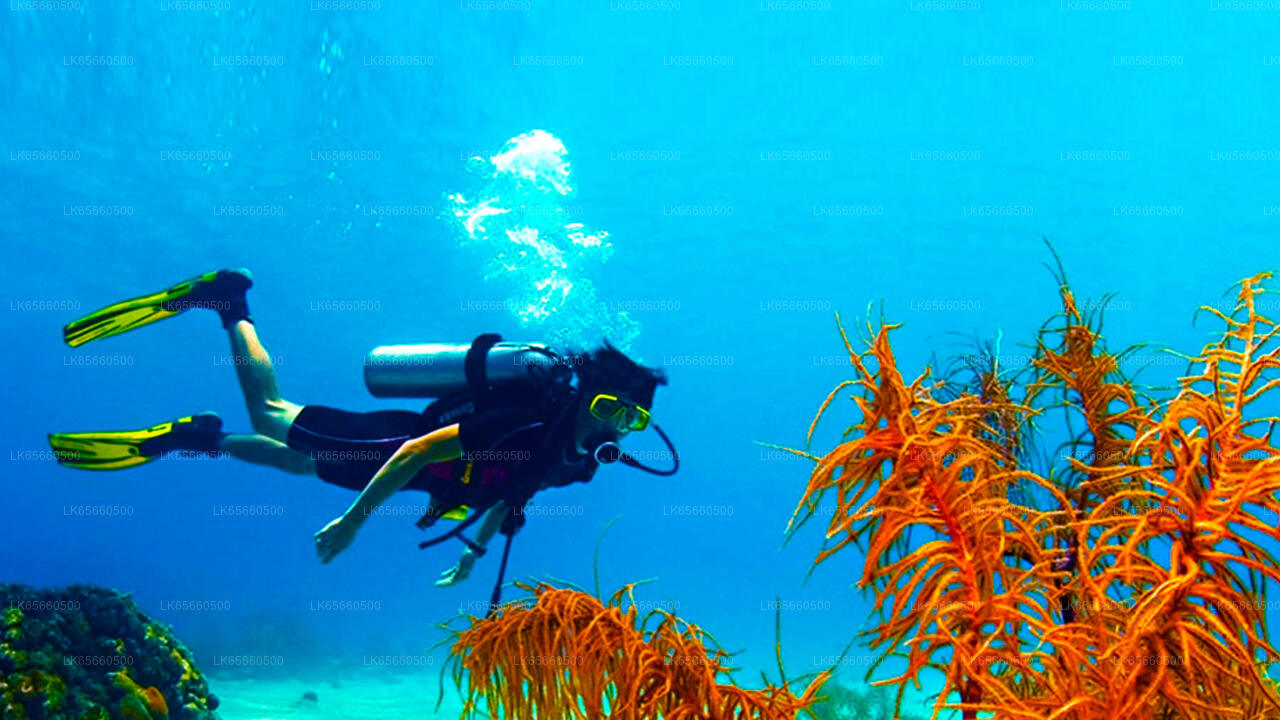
[120, 449]
[211, 290]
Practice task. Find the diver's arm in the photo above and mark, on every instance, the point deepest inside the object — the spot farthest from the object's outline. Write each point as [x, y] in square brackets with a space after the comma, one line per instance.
[492, 521]
[436, 446]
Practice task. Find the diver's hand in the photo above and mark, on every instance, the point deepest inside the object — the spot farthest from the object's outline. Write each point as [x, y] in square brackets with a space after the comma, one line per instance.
[459, 572]
[334, 538]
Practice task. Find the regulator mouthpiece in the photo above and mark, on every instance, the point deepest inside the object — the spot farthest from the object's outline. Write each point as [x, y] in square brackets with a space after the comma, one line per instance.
[607, 453]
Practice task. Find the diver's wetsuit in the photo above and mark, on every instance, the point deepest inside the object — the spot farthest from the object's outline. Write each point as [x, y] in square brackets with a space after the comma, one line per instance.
[500, 444]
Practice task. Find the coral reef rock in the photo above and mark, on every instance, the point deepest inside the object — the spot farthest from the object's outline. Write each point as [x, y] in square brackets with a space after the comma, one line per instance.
[89, 653]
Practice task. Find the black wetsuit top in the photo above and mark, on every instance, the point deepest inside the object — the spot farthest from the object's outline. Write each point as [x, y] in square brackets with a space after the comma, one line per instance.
[504, 450]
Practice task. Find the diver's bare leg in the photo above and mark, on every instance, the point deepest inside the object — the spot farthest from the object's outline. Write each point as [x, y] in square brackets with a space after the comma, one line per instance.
[270, 414]
[262, 450]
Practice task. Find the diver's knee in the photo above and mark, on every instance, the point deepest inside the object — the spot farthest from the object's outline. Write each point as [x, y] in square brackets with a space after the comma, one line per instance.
[273, 418]
[264, 423]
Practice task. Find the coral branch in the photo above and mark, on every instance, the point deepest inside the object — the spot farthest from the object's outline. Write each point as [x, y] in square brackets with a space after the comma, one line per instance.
[565, 654]
[1134, 590]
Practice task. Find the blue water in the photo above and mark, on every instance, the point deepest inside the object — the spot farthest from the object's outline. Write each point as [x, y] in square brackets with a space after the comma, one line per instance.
[756, 168]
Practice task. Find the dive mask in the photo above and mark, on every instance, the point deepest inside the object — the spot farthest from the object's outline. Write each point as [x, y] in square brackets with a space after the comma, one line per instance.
[622, 415]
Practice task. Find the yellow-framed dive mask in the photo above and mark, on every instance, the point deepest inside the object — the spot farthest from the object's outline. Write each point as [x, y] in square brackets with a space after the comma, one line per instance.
[625, 416]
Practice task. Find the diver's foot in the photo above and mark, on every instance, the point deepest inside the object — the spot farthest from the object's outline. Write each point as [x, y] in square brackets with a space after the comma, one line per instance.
[223, 292]
[199, 433]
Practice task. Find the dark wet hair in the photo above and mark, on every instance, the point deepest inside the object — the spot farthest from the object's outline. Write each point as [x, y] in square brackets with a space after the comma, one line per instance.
[607, 368]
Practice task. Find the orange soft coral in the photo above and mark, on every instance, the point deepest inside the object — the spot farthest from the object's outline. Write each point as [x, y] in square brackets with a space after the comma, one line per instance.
[140, 703]
[156, 704]
[947, 473]
[1132, 590]
[565, 654]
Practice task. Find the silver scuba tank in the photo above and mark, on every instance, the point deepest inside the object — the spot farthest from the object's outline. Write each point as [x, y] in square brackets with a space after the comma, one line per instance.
[436, 370]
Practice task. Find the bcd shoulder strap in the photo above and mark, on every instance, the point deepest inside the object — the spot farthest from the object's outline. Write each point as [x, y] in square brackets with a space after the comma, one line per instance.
[476, 397]
[475, 369]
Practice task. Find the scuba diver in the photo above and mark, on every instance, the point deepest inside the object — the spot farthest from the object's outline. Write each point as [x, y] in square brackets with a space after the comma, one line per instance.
[510, 419]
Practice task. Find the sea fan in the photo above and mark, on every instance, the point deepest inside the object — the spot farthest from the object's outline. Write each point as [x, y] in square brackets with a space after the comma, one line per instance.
[939, 469]
[563, 653]
[1185, 628]
[1137, 593]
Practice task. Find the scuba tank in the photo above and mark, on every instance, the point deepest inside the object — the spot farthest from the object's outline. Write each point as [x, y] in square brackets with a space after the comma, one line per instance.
[437, 370]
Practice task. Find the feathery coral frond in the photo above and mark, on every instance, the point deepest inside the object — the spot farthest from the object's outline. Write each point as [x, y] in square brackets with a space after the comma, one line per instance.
[565, 654]
[1138, 593]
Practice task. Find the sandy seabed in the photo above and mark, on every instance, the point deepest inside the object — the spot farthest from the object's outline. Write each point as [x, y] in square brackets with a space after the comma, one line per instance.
[380, 696]
[375, 696]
